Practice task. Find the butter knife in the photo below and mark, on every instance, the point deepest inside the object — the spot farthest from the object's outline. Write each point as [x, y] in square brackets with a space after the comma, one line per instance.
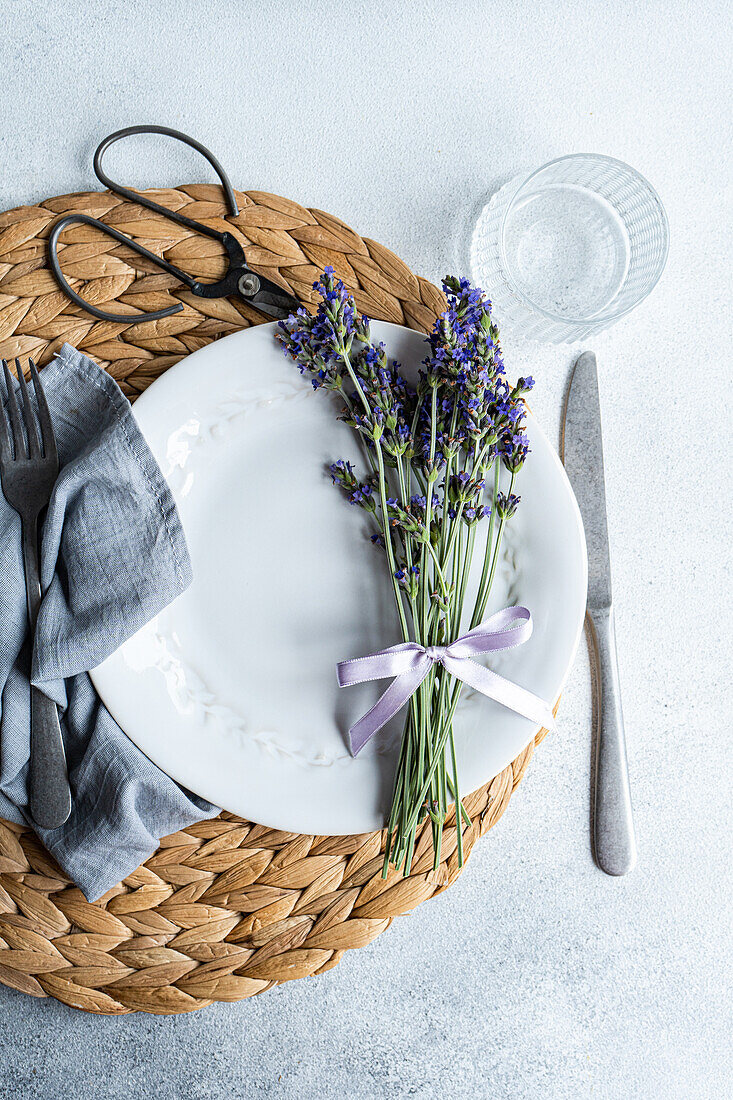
[582, 445]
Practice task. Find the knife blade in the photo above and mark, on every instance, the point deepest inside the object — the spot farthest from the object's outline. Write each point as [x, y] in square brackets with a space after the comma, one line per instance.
[582, 446]
[583, 458]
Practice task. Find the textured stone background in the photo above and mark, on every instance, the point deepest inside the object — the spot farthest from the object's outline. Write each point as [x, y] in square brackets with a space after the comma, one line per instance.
[536, 976]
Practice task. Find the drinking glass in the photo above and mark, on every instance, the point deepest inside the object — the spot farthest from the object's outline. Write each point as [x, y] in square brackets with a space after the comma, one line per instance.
[567, 250]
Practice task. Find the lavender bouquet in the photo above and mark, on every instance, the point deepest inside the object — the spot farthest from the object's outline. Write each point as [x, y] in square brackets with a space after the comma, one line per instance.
[433, 455]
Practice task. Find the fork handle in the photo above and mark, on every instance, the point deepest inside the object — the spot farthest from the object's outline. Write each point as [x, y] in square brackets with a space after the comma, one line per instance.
[49, 793]
[32, 570]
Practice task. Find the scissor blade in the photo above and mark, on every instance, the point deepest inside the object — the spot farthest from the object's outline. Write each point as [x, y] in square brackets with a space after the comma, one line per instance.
[273, 303]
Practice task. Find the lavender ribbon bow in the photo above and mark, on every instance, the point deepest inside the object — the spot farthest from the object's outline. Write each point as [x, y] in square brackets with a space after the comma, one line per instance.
[411, 662]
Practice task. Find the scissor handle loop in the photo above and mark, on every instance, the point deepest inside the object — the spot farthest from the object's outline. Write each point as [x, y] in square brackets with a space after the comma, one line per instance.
[143, 200]
[103, 315]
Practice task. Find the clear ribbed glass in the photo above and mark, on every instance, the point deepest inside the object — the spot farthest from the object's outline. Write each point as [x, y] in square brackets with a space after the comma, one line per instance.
[569, 249]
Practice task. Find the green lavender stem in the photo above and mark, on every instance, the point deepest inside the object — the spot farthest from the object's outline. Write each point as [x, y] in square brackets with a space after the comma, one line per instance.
[447, 729]
[386, 532]
[486, 584]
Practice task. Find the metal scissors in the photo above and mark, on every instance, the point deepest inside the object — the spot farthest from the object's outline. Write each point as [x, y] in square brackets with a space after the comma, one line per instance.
[240, 280]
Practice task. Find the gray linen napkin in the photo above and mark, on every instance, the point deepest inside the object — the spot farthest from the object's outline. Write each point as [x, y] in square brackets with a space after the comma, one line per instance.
[113, 555]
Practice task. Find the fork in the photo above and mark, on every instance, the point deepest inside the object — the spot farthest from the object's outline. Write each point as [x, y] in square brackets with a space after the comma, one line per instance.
[27, 475]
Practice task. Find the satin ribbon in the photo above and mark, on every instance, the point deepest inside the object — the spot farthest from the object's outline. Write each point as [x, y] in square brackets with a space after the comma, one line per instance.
[409, 663]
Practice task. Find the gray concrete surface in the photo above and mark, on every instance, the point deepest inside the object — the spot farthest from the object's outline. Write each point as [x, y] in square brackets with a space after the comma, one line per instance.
[536, 976]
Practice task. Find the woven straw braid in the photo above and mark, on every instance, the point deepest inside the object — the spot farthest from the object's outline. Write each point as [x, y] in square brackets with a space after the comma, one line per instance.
[226, 908]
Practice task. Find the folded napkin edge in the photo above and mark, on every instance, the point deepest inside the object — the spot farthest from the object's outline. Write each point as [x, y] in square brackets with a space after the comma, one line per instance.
[70, 356]
[140, 452]
[58, 658]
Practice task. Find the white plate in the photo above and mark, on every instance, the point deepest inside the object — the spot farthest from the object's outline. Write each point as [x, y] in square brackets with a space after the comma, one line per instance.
[232, 689]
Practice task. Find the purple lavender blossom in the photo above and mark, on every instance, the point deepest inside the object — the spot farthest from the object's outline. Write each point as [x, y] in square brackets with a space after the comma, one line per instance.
[342, 473]
[506, 506]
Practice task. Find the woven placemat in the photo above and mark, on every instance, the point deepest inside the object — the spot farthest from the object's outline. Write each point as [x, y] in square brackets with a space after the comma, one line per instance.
[226, 908]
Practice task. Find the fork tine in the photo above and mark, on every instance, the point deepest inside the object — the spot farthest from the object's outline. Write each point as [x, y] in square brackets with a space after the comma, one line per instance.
[14, 414]
[6, 454]
[44, 416]
[31, 431]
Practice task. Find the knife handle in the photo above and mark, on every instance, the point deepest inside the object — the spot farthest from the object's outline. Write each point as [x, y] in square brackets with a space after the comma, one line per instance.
[613, 826]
